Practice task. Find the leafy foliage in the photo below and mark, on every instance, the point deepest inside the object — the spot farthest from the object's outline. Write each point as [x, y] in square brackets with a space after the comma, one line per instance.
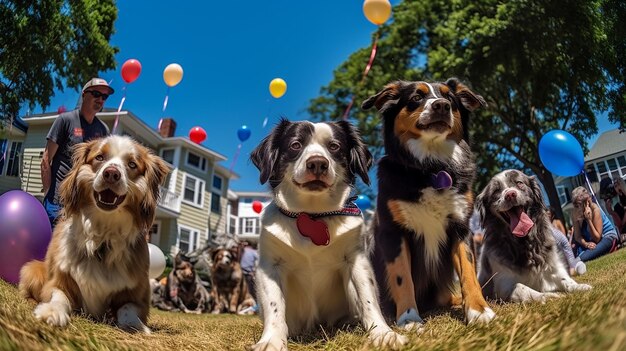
[51, 44]
[540, 64]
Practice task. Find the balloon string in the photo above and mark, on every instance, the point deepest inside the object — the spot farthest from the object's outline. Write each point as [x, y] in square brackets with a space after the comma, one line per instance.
[117, 116]
[232, 165]
[167, 94]
[365, 72]
[594, 198]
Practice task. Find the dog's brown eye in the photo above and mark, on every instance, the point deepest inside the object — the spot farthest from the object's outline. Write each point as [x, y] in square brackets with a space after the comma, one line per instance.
[333, 146]
[520, 183]
[132, 165]
[416, 98]
[295, 145]
[99, 158]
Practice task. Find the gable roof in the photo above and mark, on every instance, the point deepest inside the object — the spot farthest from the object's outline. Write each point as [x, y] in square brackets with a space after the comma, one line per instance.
[609, 143]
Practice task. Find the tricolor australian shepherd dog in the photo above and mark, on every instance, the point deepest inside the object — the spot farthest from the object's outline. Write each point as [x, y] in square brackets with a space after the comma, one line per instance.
[421, 230]
[519, 260]
[313, 267]
[98, 258]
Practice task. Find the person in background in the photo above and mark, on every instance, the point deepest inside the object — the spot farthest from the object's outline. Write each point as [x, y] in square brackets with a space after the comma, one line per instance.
[575, 265]
[593, 231]
[71, 128]
[249, 261]
[556, 222]
[610, 190]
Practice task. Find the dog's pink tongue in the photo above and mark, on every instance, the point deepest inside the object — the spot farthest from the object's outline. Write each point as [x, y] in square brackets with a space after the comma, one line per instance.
[520, 222]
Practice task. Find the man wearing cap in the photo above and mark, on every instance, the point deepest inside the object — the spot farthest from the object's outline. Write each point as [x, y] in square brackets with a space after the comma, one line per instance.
[69, 129]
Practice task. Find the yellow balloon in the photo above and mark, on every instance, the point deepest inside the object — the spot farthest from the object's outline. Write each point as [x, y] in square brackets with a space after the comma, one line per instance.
[377, 11]
[278, 87]
[172, 74]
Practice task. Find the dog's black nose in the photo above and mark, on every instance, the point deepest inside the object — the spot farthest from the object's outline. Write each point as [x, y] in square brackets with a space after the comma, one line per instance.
[318, 165]
[111, 175]
[441, 106]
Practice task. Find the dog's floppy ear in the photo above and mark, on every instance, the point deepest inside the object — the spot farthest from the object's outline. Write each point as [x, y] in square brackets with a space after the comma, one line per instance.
[265, 155]
[481, 204]
[384, 99]
[70, 190]
[155, 175]
[536, 189]
[468, 98]
[360, 159]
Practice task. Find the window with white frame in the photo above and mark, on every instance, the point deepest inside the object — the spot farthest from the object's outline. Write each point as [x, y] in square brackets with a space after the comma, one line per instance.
[196, 161]
[168, 155]
[564, 195]
[12, 159]
[612, 167]
[249, 225]
[232, 225]
[193, 190]
[187, 239]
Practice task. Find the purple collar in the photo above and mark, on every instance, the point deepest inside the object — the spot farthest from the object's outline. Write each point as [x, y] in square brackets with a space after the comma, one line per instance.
[441, 180]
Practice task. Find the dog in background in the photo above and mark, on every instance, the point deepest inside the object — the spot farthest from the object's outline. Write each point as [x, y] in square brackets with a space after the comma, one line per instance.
[313, 266]
[98, 258]
[183, 290]
[229, 286]
[421, 225]
[519, 260]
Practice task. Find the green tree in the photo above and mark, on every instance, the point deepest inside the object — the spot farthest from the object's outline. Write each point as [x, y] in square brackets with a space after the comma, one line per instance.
[51, 44]
[541, 65]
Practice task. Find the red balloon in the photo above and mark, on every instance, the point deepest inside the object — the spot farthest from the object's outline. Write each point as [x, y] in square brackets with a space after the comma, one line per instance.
[197, 135]
[130, 70]
[257, 206]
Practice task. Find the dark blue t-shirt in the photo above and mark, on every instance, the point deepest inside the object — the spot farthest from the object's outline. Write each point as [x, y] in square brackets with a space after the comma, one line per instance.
[69, 129]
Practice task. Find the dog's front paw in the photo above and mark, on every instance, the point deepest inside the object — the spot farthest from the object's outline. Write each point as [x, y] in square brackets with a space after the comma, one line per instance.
[483, 317]
[53, 313]
[544, 297]
[411, 320]
[387, 338]
[583, 287]
[273, 344]
[128, 319]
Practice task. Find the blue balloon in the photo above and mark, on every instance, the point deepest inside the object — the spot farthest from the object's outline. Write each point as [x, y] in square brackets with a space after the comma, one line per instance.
[561, 153]
[363, 202]
[243, 133]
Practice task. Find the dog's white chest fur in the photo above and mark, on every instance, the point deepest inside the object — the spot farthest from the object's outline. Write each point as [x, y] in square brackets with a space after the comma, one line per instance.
[314, 276]
[95, 279]
[428, 217]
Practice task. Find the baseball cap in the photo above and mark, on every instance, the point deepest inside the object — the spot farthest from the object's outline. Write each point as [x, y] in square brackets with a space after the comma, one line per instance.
[94, 82]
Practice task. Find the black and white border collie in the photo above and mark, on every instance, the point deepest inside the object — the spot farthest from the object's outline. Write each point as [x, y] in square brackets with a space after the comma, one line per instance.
[519, 260]
[313, 267]
[421, 229]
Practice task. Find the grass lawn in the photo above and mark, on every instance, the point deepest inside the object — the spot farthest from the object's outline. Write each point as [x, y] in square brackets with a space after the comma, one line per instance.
[594, 320]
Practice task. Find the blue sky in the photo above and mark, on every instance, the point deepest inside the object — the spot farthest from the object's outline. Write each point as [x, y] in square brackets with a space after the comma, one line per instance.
[229, 52]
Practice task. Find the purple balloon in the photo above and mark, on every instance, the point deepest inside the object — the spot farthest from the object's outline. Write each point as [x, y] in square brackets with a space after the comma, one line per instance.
[24, 233]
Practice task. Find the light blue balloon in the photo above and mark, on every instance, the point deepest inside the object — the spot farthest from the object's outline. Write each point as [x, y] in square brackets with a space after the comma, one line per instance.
[561, 153]
[243, 133]
[363, 202]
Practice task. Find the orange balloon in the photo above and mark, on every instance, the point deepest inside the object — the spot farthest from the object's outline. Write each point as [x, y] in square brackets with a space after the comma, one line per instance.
[377, 11]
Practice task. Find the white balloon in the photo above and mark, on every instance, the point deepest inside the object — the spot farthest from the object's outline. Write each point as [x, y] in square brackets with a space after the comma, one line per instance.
[157, 261]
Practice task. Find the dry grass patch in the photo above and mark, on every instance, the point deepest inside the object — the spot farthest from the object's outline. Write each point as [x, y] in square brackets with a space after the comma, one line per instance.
[594, 320]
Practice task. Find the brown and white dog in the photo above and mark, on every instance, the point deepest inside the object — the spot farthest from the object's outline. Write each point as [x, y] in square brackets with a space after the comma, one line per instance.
[229, 285]
[421, 226]
[183, 290]
[519, 259]
[313, 266]
[98, 259]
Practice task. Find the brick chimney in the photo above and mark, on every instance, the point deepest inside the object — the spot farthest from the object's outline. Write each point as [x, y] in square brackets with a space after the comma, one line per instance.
[167, 127]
